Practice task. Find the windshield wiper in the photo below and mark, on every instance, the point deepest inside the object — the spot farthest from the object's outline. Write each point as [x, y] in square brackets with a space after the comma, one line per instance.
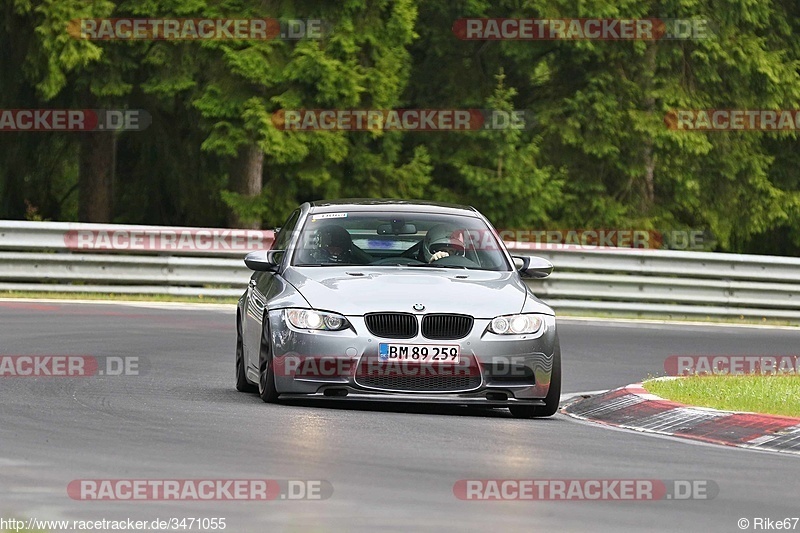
[434, 265]
[329, 264]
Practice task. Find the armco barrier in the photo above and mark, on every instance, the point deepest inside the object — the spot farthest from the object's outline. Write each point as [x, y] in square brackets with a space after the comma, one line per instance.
[665, 282]
[46, 256]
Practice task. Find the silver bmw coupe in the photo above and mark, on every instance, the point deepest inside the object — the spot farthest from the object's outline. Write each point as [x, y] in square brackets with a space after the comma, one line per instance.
[392, 300]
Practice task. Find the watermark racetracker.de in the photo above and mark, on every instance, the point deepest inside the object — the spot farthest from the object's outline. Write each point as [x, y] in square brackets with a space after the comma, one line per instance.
[709, 120]
[71, 366]
[401, 119]
[588, 239]
[73, 120]
[149, 239]
[198, 490]
[738, 365]
[584, 489]
[585, 239]
[195, 29]
[580, 29]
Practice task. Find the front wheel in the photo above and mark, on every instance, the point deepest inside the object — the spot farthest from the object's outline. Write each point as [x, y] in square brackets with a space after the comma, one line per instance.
[242, 384]
[553, 397]
[266, 373]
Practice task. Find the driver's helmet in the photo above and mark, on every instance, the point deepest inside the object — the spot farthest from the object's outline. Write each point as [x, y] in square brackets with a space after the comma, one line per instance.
[443, 238]
[334, 243]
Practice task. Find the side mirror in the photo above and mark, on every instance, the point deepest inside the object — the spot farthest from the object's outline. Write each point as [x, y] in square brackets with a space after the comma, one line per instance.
[264, 260]
[532, 266]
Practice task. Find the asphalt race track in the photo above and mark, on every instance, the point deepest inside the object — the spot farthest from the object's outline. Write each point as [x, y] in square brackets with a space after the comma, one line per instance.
[392, 467]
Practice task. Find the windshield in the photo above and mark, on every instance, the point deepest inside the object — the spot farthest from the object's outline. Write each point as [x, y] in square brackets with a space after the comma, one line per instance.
[399, 239]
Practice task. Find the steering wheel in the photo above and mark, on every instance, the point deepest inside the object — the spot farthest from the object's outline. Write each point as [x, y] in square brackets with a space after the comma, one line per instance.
[456, 261]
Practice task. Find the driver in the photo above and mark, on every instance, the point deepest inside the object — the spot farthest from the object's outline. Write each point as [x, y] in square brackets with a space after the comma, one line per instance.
[442, 240]
[335, 244]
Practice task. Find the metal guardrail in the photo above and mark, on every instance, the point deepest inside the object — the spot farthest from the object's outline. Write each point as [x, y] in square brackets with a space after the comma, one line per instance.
[48, 256]
[664, 282]
[122, 238]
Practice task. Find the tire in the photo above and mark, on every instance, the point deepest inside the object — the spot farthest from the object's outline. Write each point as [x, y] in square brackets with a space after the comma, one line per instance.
[266, 374]
[553, 394]
[242, 383]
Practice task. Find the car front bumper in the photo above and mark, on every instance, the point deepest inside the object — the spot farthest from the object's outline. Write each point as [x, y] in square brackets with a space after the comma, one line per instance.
[496, 370]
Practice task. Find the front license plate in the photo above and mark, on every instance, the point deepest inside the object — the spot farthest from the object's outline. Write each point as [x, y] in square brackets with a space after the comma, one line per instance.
[420, 353]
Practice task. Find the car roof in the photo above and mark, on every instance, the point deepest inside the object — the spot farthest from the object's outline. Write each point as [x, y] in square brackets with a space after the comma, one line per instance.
[389, 204]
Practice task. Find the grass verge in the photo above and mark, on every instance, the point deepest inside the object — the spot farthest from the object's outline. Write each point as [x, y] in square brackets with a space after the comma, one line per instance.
[118, 296]
[774, 394]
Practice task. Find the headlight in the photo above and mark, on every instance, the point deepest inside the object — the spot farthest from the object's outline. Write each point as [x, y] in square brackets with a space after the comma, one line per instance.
[515, 324]
[310, 319]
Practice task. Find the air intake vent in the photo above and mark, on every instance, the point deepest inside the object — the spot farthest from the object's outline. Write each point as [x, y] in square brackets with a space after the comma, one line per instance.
[392, 325]
[446, 327]
[418, 377]
[420, 383]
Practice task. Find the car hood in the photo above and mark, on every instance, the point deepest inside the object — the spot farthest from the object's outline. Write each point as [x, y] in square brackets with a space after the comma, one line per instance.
[359, 290]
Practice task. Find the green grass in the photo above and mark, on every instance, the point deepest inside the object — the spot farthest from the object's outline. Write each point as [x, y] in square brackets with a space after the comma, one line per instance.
[777, 395]
[118, 296]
